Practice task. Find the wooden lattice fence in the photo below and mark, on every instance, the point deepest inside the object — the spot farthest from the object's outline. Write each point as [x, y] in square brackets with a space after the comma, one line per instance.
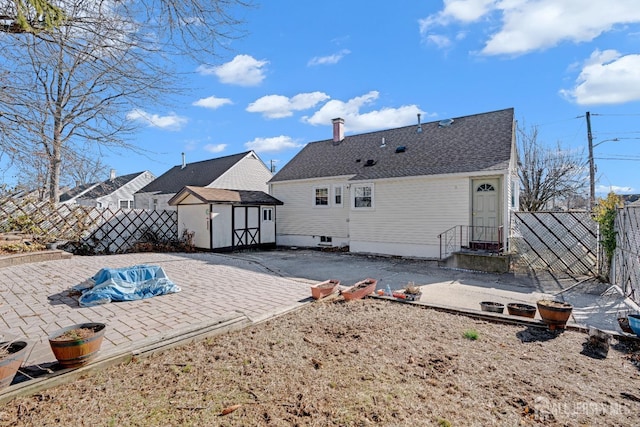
[564, 242]
[625, 270]
[89, 230]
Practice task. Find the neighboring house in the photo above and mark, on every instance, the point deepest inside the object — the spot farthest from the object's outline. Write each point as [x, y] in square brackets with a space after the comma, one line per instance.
[115, 192]
[395, 191]
[243, 171]
[226, 219]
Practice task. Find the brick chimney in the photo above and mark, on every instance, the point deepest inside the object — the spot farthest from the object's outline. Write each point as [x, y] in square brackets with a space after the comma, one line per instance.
[338, 129]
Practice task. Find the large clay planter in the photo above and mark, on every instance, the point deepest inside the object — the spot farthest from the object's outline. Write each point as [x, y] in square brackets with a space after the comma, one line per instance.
[73, 353]
[360, 289]
[492, 307]
[10, 364]
[324, 289]
[524, 310]
[554, 313]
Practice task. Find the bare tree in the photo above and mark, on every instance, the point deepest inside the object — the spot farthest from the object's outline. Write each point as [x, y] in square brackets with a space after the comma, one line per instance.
[71, 84]
[80, 170]
[547, 174]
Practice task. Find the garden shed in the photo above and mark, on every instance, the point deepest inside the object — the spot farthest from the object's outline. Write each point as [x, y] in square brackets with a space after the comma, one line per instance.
[224, 220]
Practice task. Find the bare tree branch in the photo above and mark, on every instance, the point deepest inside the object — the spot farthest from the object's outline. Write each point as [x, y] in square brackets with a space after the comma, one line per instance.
[547, 174]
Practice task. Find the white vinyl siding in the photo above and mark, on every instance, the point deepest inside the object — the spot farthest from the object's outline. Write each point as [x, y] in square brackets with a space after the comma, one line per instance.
[298, 216]
[248, 174]
[412, 211]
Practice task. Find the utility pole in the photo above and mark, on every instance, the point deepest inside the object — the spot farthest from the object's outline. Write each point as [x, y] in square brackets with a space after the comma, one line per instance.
[592, 167]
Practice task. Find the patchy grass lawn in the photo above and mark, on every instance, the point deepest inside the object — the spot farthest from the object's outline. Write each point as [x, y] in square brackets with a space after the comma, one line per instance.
[365, 362]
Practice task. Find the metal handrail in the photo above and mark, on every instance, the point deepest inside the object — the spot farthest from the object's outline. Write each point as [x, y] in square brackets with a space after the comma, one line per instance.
[472, 237]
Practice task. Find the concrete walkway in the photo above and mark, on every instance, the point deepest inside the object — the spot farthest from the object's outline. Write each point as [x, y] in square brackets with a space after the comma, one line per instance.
[219, 291]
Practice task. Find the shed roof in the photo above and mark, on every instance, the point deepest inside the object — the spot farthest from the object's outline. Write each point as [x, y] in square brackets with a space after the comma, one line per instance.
[480, 142]
[232, 197]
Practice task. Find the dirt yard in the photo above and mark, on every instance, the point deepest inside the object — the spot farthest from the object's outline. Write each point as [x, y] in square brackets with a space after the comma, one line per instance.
[360, 363]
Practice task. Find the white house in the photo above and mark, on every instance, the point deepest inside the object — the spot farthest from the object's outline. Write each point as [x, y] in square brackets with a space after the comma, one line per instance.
[226, 219]
[242, 171]
[115, 192]
[396, 191]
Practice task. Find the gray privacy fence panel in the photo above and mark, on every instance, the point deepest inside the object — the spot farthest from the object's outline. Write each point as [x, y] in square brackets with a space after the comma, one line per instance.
[564, 242]
[90, 229]
[625, 269]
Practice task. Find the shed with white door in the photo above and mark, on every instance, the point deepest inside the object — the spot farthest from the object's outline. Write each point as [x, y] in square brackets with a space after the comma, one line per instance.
[224, 220]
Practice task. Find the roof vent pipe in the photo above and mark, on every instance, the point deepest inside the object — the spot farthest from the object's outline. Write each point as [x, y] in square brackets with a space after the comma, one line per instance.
[419, 124]
[338, 129]
[184, 161]
[112, 174]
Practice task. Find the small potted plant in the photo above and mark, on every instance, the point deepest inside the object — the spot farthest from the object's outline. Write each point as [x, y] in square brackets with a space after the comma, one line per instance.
[412, 292]
[77, 345]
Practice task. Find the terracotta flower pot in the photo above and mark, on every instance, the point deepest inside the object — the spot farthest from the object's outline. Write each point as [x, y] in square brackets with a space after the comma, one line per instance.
[493, 307]
[323, 289]
[360, 289]
[554, 313]
[77, 345]
[10, 363]
[524, 310]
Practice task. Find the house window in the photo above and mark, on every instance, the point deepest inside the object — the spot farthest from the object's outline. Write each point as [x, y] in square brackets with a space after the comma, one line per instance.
[337, 195]
[267, 214]
[363, 196]
[485, 187]
[126, 204]
[321, 196]
[153, 204]
[98, 204]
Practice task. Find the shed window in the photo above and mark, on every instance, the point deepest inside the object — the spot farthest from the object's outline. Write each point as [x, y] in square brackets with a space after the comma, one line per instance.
[321, 196]
[363, 196]
[267, 214]
[485, 187]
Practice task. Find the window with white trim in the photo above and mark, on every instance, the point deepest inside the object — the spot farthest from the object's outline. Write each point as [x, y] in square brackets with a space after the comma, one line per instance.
[126, 204]
[321, 196]
[153, 204]
[337, 195]
[362, 196]
[267, 214]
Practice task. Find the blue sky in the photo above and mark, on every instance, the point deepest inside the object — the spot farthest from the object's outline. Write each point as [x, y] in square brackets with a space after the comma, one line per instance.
[379, 63]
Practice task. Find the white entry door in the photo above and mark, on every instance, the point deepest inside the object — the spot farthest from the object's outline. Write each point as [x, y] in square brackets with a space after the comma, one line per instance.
[485, 210]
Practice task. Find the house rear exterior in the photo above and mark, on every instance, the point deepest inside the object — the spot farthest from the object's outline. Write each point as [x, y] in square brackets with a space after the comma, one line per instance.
[396, 191]
[242, 171]
[115, 193]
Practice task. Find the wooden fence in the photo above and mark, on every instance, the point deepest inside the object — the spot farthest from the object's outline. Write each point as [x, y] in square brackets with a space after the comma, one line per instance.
[556, 241]
[89, 230]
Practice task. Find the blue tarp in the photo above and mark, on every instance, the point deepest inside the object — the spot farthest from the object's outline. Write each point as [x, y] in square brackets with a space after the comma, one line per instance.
[125, 284]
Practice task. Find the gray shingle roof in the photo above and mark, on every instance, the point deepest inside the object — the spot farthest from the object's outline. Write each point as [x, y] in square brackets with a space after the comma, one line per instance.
[234, 197]
[109, 186]
[480, 142]
[198, 174]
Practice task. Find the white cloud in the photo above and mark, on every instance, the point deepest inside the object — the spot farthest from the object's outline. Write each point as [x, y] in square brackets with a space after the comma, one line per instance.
[530, 25]
[215, 148]
[330, 59]
[603, 189]
[356, 121]
[243, 70]
[277, 143]
[279, 106]
[440, 41]
[212, 102]
[607, 77]
[169, 122]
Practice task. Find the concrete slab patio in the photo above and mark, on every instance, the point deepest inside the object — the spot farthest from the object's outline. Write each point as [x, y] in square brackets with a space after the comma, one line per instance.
[224, 292]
